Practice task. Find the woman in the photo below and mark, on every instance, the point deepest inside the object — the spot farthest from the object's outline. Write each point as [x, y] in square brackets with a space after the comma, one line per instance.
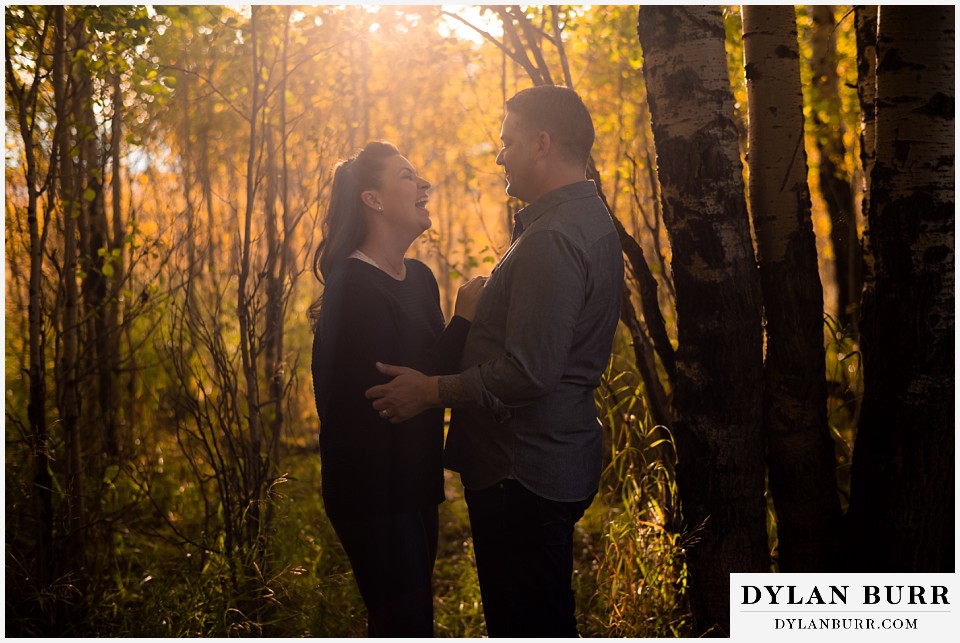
[382, 483]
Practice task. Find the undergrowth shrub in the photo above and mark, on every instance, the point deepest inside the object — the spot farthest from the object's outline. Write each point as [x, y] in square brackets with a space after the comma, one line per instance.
[640, 581]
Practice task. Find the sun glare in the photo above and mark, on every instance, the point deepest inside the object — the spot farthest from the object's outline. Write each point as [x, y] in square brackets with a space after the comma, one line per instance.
[477, 15]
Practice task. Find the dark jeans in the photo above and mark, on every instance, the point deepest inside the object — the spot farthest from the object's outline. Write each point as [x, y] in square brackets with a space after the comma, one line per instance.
[392, 558]
[524, 549]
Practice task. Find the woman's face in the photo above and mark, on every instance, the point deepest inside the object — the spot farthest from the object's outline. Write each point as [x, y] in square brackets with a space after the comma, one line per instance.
[403, 196]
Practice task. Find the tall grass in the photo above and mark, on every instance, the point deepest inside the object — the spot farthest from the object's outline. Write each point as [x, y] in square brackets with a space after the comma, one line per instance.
[844, 393]
[161, 575]
[639, 576]
[629, 575]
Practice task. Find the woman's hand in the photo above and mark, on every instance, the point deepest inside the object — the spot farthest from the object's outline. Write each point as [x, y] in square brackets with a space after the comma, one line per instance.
[467, 297]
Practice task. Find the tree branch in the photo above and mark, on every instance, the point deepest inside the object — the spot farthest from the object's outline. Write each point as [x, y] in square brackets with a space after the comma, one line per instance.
[558, 43]
[528, 32]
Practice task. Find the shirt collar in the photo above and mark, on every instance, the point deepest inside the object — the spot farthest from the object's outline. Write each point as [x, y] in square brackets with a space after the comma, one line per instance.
[578, 190]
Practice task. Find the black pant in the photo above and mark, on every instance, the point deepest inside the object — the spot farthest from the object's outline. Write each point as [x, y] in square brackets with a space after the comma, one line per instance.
[524, 549]
[392, 558]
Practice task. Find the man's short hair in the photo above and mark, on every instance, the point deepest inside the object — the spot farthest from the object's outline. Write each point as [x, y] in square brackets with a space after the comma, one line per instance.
[559, 112]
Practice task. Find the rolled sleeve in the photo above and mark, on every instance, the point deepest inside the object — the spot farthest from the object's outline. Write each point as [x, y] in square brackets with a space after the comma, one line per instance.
[473, 384]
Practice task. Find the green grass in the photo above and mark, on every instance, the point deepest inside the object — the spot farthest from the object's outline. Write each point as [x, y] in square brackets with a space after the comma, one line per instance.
[143, 580]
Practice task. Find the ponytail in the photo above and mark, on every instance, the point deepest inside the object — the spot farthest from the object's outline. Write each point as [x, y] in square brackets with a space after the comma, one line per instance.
[344, 226]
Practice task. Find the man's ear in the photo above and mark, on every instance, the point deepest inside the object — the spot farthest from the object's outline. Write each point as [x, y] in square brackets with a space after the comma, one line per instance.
[544, 144]
[371, 199]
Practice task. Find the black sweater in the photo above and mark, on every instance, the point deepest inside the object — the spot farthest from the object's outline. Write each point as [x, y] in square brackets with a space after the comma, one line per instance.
[369, 465]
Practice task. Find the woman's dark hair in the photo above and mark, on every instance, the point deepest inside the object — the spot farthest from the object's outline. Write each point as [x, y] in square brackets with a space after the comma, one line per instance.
[344, 226]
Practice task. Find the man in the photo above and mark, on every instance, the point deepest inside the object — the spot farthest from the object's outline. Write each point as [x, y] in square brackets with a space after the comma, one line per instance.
[524, 433]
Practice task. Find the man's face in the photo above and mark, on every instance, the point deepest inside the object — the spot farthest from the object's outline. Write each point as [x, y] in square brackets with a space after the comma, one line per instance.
[517, 156]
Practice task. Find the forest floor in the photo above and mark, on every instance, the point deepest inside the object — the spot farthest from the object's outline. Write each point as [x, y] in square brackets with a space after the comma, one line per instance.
[337, 609]
[332, 606]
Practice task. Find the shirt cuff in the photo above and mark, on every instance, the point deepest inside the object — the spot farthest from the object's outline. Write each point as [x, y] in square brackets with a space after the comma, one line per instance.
[472, 380]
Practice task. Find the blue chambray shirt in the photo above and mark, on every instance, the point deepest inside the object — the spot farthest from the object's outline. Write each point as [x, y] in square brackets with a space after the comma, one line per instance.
[540, 340]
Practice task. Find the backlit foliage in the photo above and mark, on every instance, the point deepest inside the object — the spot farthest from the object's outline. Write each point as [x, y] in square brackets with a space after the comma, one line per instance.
[329, 79]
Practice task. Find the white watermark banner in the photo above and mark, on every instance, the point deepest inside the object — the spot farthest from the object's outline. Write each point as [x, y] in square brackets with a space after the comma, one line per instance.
[844, 607]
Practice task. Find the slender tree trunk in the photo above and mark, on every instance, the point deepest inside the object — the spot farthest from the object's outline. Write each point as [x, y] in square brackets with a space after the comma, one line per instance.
[646, 284]
[211, 252]
[866, 26]
[273, 333]
[117, 260]
[653, 222]
[902, 481]
[94, 245]
[186, 166]
[800, 453]
[24, 101]
[252, 466]
[658, 404]
[67, 379]
[718, 395]
[278, 251]
[835, 179]
[286, 250]
[91, 225]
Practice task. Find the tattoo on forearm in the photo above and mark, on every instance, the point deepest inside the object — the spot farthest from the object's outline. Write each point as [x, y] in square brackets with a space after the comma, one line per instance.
[452, 393]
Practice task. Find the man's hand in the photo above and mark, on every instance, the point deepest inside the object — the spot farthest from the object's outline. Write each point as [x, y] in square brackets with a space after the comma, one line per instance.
[408, 394]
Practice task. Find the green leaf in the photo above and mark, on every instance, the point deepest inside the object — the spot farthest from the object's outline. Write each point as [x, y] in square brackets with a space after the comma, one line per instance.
[89, 195]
